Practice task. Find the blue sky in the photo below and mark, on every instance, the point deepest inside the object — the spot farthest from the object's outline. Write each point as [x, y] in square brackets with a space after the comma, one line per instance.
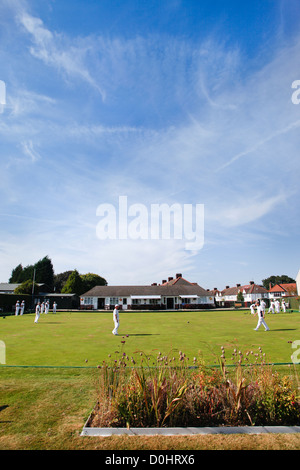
[180, 101]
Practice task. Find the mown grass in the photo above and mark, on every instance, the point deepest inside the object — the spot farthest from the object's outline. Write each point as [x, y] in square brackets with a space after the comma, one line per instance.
[73, 338]
[46, 408]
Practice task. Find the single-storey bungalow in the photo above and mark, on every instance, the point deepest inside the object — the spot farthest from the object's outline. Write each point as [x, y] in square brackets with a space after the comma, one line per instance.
[176, 293]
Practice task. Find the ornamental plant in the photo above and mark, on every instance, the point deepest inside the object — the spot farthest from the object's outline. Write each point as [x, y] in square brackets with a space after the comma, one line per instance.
[174, 390]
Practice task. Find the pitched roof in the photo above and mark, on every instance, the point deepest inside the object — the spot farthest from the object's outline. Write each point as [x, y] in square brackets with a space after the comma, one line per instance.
[255, 289]
[10, 287]
[5, 286]
[247, 289]
[174, 287]
[288, 287]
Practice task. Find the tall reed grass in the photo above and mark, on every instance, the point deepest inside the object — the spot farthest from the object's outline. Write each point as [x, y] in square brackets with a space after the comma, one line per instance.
[174, 390]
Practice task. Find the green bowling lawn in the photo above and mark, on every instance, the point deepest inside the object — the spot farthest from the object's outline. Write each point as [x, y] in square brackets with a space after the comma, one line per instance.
[46, 408]
[84, 339]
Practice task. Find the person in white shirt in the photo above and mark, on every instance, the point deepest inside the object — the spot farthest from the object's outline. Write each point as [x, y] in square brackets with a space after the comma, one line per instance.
[263, 305]
[116, 320]
[272, 307]
[17, 308]
[42, 307]
[22, 307]
[37, 312]
[261, 318]
[252, 308]
[283, 305]
[47, 306]
[277, 306]
[54, 307]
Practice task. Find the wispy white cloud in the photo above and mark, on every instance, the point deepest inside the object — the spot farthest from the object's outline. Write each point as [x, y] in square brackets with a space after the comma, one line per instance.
[24, 102]
[246, 211]
[178, 121]
[258, 145]
[51, 48]
[29, 150]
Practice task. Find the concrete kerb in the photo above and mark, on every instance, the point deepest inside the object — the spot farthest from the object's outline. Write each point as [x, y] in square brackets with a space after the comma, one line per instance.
[188, 431]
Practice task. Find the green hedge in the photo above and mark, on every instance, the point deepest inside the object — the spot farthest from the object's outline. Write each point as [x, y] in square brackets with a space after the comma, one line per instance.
[294, 302]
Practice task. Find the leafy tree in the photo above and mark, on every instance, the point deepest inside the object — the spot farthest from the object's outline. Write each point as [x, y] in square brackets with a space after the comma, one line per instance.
[26, 288]
[20, 274]
[240, 297]
[16, 275]
[27, 273]
[91, 280]
[60, 280]
[273, 280]
[44, 273]
[74, 284]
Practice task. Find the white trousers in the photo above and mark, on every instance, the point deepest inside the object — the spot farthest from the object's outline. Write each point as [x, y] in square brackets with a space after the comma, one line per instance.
[260, 322]
[37, 316]
[115, 330]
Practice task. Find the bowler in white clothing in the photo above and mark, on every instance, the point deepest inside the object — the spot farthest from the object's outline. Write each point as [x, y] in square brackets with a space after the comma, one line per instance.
[261, 318]
[252, 308]
[37, 312]
[116, 320]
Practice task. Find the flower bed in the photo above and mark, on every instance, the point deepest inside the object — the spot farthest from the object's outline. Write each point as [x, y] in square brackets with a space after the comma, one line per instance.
[174, 391]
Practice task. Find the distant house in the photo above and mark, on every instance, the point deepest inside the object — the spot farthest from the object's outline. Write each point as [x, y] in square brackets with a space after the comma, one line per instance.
[251, 292]
[174, 293]
[7, 288]
[283, 290]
